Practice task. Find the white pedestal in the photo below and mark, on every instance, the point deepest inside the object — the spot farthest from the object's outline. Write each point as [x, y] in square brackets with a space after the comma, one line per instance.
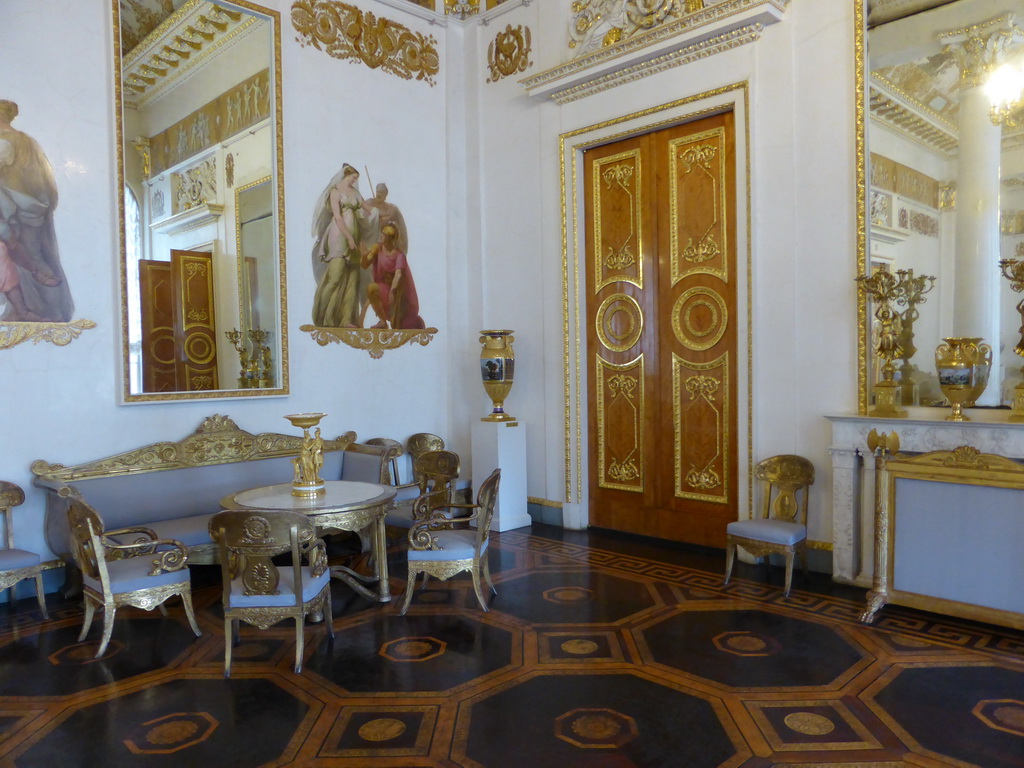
[502, 444]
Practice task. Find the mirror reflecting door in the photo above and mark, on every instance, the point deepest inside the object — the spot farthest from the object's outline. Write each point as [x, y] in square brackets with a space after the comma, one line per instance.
[200, 168]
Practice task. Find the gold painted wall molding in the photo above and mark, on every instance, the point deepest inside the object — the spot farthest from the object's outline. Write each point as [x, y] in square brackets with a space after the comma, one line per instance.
[509, 53]
[61, 334]
[374, 340]
[347, 33]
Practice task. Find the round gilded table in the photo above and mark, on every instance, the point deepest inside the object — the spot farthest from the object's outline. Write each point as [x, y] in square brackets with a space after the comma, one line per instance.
[345, 505]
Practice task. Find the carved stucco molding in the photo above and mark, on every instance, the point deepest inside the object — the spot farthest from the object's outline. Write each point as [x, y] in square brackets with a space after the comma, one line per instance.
[509, 53]
[347, 33]
[61, 334]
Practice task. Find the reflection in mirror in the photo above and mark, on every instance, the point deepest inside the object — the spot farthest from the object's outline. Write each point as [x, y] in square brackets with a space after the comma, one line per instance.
[202, 235]
[944, 179]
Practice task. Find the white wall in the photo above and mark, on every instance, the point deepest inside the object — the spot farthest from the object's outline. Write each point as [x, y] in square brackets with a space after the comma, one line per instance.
[474, 166]
[803, 218]
[61, 403]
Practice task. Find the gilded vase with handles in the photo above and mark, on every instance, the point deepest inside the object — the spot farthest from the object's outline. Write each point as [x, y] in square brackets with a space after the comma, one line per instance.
[497, 369]
[963, 364]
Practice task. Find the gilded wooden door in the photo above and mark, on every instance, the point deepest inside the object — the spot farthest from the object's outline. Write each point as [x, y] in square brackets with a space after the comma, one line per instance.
[661, 332]
[179, 343]
[158, 355]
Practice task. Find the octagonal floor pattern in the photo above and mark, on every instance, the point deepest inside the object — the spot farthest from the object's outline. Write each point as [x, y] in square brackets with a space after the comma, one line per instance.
[598, 652]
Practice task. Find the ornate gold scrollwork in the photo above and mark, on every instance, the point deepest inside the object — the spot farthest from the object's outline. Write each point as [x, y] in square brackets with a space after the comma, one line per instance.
[611, 309]
[61, 334]
[509, 53]
[622, 172]
[350, 34]
[699, 336]
[373, 340]
[698, 161]
[620, 388]
[701, 431]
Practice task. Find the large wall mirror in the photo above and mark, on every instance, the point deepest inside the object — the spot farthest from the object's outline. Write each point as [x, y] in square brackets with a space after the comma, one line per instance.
[941, 168]
[198, 86]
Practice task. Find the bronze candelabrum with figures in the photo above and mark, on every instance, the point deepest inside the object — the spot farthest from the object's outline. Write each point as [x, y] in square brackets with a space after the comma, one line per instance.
[883, 288]
[910, 291]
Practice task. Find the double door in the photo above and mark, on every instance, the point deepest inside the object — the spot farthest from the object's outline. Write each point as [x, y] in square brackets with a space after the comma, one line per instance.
[662, 332]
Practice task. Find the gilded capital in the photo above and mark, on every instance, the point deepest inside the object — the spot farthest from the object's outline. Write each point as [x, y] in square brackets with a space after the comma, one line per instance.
[980, 48]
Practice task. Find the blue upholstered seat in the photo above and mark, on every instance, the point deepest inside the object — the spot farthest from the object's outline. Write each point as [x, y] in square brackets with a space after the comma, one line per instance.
[17, 565]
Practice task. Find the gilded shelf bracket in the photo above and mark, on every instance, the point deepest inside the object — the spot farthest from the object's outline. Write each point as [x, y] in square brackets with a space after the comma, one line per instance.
[61, 334]
[373, 340]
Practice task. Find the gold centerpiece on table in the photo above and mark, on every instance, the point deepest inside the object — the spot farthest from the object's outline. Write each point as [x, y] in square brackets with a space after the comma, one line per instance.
[497, 369]
[1013, 270]
[963, 364]
[883, 288]
[307, 482]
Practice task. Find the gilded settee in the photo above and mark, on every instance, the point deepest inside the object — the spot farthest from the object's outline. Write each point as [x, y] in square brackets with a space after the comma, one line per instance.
[174, 487]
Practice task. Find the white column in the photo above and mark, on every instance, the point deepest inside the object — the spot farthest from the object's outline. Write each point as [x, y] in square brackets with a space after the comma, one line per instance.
[978, 51]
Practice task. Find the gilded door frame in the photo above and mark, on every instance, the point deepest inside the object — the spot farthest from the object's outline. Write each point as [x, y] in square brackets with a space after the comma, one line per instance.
[572, 144]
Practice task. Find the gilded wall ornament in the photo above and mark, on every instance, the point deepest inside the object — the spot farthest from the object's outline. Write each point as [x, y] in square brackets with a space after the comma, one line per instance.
[61, 334]
[509, 53]
[599, 23]
[347, 33]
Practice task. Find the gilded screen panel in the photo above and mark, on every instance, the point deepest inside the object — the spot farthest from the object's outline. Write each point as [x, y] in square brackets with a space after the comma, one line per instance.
[697, 214]
[620, 424]
[616, 220]
[700, 401]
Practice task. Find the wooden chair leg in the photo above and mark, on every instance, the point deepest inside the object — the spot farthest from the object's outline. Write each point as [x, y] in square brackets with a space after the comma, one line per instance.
[229, 640]
[789, 571]
[90, 609]
[328, 610]
[108, 627]
[487, 573]
[40, 597]
[299, 637]
[410, 585]
[476, 588]
[730, 556]
[186, 599]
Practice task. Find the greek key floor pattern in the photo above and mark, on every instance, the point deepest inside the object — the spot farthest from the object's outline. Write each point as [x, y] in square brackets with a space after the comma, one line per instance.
[599, 651]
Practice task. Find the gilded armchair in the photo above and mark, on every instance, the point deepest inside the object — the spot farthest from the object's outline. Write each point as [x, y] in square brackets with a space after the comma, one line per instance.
[442, 545]
[144, 573]
[256, 589]
[436, 473]
[17, 565]
[781, 525]
[421, 443]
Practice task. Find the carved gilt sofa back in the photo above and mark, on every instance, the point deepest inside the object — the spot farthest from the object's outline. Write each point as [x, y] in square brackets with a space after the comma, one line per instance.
[174, 487]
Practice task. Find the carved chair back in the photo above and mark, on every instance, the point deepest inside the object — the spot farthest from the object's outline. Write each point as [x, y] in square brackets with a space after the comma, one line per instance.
[437, 472]
[87, 544]
[421, 443]
[785, 481]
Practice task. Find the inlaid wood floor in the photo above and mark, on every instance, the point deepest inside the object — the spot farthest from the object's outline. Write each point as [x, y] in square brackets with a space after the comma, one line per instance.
[600, 651]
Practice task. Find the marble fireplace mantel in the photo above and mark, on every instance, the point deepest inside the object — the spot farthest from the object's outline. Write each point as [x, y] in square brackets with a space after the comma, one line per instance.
[853, 471]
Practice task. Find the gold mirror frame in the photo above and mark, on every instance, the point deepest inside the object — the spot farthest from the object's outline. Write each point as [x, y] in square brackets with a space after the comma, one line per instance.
[277, 165]
[860, 111]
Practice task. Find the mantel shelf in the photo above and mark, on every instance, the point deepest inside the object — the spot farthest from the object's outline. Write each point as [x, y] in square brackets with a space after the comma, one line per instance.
[373, 340]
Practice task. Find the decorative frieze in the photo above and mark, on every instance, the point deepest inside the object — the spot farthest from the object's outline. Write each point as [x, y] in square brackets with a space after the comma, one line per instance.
[347, 33]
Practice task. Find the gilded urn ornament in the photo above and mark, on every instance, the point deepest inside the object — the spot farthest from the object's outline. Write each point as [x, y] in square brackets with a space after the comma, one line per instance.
[963, 365]
[497, 367]
[307, 482]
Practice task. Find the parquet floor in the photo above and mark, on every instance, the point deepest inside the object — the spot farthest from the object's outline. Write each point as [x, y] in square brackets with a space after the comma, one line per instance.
[600, 651]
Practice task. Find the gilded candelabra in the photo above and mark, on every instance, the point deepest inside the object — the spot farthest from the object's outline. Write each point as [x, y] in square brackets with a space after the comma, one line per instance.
[256, 369]
[1013, 270]
[910, 292]
[882, 288]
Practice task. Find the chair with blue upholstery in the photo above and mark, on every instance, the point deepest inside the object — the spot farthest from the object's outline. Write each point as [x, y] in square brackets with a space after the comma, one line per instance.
[781, 526]
[256, 589]
[395, 452]
[437, 472]
[143, 573]
[17, 565]
[442, 545]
